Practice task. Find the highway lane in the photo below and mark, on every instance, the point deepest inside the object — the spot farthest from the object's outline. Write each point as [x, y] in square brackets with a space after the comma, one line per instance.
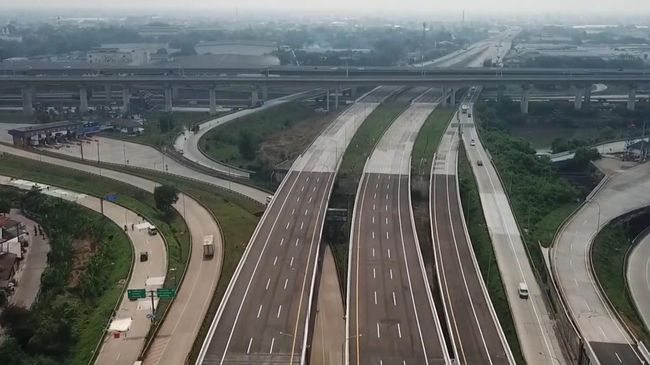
[188, 142]
[391, 314]
[638, 277]
[263, 317]
[185, 316]
[128, 346]
[476, 333]
[571, 261]
[532, 319]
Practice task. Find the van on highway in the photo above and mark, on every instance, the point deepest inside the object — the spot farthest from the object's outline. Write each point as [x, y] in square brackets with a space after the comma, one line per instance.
[523, 290]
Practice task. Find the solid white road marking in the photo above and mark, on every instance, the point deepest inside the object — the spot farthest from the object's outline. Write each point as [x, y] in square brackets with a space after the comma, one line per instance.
[268, 282]
[399, 331]
[272, 343]
[259, 311]
[618, 357]
[250, 342]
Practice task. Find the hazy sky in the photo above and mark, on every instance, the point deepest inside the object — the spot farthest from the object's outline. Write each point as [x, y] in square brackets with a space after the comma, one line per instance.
[410, 6]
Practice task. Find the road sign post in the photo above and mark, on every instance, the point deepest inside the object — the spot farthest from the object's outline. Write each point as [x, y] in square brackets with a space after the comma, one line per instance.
[133, 294]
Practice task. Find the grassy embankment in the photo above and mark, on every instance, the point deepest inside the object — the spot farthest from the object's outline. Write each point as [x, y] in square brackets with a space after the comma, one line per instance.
[236, 214]
[161, 129]
[609, 251]
[481, 242]
[260, 141]
[78, 293]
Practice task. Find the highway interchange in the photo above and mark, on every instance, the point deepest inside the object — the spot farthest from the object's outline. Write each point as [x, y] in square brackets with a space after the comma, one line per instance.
[391, 312]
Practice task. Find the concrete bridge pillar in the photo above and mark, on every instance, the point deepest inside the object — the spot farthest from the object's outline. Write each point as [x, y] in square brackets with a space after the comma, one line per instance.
[28, 100]
[169, 96]
[577, 102]
[327, 100]
[175, 93]
[107, 93]
[265, 92]
[255, 97]
[83, 100]
[353, 93]
[213, 101]
[126, 100]
[525, 94]
[631, 98]
[336, 98]
[587, 93]
[501, 89]
[445, 96]
[452, 96]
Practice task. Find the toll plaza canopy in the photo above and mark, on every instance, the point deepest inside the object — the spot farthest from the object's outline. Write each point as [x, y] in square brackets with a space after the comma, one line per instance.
[51, 132]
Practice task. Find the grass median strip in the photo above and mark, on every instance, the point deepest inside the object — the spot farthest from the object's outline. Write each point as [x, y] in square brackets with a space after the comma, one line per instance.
[608, 253]
[483, 250]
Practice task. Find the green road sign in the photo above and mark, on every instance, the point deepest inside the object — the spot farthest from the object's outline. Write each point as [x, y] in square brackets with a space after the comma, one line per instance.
[136, 293]
[166, 292]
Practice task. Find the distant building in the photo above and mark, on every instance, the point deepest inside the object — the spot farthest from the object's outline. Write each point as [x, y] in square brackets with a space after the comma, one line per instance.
[115, 56]
[244, 48]
[155, 30]
[9, 33]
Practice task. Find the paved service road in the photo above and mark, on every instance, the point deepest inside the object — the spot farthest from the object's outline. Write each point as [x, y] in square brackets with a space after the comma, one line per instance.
[476, 332]
[391, 314]
[570, 256]
[263, 317]
[137, 155]
[188, 142]
[127, 348]
[185, 316]
[535, 328]
[638, 277]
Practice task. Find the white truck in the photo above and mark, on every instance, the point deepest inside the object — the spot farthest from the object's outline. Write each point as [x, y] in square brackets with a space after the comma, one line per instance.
[464, 108]
[208, 246]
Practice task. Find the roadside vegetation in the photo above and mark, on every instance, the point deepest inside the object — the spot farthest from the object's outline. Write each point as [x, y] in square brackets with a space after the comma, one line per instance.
[350, 171]
[260, 141]
[161, 129]
[482, 245]
[557, 126]
[540, 195]
[172, 227]
[85, 277]
[609, 251]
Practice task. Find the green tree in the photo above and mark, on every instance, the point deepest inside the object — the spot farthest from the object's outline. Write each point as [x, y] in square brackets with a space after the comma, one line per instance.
[246, 145]
[165, 196]
[166, 123]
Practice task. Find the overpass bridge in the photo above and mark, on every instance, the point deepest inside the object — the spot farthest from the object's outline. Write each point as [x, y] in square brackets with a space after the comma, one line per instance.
[330, 78]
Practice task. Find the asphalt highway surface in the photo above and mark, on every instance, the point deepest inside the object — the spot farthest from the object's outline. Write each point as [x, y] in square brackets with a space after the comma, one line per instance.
[476, 334]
